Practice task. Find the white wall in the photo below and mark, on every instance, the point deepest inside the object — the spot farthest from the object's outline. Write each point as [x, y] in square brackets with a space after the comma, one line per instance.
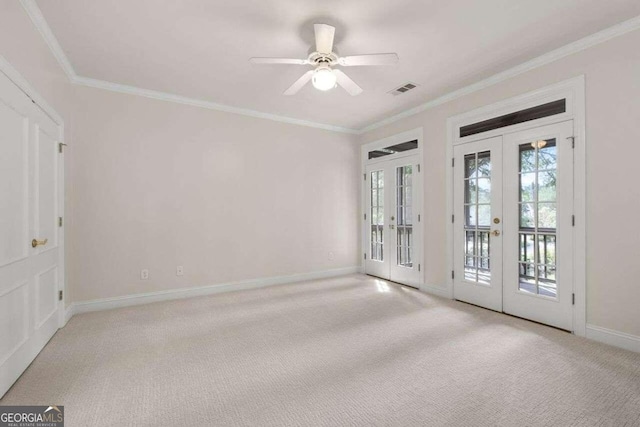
[228, 197]
[151, 184]
[612, 71]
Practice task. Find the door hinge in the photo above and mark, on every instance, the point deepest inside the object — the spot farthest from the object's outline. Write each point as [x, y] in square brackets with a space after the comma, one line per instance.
[418, 267]
[573, 299]
[573, 220]
[365, 217]
[453, 217]
[60, 146]
[59, 295]
[418, 217]
[59, 221]
[453, 162]
[453, 274]
[365, 176]
[573, 141]
[365, 255]
[418, 167]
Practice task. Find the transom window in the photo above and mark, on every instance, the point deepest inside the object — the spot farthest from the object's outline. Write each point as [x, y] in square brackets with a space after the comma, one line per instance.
[393, 149]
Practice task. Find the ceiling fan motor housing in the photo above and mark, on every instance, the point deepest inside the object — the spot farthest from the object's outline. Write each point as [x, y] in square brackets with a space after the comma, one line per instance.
[317, 58]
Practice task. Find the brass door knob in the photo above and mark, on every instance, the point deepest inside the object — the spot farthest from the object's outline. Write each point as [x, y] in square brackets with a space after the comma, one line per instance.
[35, 243]
[496, 233]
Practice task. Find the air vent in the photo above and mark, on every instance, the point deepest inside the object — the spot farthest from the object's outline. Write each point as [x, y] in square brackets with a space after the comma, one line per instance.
[404, 88]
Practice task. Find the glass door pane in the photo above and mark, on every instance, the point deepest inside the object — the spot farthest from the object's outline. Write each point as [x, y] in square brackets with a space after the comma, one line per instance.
[377, 215]
[404, 214]
[537, 213]
[477, 217]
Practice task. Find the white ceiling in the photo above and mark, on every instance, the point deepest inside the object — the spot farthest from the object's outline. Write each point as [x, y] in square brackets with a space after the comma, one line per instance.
[200, 48]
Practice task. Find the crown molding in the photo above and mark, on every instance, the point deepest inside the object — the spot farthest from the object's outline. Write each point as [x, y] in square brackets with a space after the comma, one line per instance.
[33, 11]
[164, 96]
[569, 49]
[40, 23]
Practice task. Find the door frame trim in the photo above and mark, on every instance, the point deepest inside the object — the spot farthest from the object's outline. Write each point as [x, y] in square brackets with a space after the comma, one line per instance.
[410, 135]
[574, 91]
[23, 84]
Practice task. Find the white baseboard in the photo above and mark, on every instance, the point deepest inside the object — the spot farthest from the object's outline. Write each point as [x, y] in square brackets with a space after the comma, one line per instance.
[68, 313]
[172, 294]
[615, 338]
[596, 333]
[440, 291]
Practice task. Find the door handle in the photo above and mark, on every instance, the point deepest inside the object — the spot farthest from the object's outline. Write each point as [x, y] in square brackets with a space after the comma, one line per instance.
[35, 243]
[495, 233]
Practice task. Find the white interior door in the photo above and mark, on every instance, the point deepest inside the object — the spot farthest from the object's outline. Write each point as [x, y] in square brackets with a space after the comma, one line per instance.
[393, 220]
[478, 223]
[513, 234]
[30, 270]
[538, 233]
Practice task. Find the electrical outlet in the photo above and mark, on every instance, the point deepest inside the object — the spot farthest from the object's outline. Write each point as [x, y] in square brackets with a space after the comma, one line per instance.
[144, 274]
[179, 271]
[330, 256]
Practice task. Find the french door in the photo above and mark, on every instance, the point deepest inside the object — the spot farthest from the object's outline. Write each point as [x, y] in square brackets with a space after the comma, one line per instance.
[478, 207]
[392, 216]
[30, 239]
[513, 207]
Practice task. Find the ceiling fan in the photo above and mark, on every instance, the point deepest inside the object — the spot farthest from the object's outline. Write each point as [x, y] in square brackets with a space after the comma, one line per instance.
[323, 76]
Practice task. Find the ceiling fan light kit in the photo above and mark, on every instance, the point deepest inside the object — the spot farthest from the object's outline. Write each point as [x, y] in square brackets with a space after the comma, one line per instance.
[323, 77]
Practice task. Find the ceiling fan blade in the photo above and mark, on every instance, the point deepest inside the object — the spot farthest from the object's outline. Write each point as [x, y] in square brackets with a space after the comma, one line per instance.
[373, 59]
[294, 88]
[324, 37]
[279, 61]
[349, 85]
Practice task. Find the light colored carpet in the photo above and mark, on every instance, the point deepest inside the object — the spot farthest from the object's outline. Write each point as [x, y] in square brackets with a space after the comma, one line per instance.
[352, 350]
